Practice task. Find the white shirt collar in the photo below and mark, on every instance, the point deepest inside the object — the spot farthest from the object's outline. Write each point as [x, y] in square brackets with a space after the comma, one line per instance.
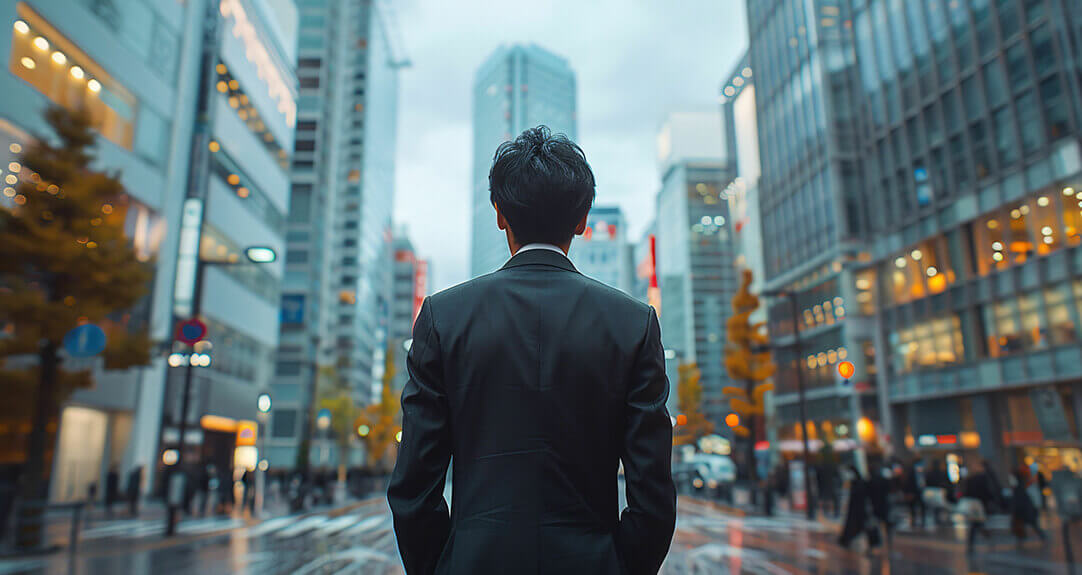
[541, 246]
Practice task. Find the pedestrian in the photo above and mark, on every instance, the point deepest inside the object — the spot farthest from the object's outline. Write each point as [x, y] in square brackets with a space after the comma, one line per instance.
[913, 492]
[212, 482]
[980, 492]
[857, 518]
[879, 495]
[112, 489]
[1024, 511]
[225, 491]
[1041, 485]
[135, 487]
[827, 483]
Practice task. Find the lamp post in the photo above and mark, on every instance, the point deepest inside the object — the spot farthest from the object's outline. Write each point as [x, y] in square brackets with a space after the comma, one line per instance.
[176, 483]
[263, 407]
[805, 450]
[323, 422]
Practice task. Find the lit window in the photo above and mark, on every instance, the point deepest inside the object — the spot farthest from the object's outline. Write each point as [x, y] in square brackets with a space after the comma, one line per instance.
[69, 78]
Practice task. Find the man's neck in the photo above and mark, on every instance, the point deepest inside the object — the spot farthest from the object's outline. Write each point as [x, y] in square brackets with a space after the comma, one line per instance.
[543, 246]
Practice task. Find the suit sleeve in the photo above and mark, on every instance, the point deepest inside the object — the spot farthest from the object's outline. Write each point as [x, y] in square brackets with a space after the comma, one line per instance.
[646, 526]
[415, 493]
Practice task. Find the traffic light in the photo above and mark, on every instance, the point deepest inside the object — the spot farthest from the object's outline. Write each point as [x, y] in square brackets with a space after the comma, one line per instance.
[732, 420]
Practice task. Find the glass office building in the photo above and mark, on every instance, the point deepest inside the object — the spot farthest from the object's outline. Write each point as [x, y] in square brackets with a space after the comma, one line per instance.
[335, 303]
[694, 251]
[518, 87]
[603, 252]
[801, 52]
[970, 138]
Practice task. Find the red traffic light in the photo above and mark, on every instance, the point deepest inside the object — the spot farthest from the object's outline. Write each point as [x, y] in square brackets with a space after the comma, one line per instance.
[681, 419]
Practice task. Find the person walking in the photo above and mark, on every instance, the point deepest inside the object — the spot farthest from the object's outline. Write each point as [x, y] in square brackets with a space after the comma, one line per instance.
[1024, 512]
[879, 496]
[980, 493]
[857, 518]
[913, 492]
[112, 490]
[539, 382]
[135, 487]
[826, 476]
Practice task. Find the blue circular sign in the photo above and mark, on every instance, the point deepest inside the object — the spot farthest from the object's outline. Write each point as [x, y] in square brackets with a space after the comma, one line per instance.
[191, 331]
[86, 340]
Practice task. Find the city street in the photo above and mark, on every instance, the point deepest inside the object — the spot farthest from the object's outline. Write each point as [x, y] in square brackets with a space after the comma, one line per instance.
[358, 539]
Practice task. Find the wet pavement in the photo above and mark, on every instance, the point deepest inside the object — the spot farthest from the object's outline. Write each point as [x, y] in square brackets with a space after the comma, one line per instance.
[358, 539]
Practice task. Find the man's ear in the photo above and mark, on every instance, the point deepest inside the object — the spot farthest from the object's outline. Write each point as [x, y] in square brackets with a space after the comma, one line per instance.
[501, 221]
[581, 227]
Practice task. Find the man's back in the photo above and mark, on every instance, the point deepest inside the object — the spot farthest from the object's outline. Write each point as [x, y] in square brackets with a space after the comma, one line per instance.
[538, 380]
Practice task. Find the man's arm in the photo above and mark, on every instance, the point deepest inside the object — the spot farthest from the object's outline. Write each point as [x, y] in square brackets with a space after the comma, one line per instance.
[646, 526]
[415, 493]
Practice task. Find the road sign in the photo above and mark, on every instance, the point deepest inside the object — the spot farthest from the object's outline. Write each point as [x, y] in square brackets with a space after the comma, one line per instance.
[86, 340]
[191, 331]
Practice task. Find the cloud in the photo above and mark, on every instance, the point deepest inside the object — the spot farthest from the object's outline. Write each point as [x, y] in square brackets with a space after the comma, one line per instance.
[635, 61]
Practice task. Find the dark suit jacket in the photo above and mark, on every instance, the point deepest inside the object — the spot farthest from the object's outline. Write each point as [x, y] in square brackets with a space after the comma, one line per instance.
[537, 381]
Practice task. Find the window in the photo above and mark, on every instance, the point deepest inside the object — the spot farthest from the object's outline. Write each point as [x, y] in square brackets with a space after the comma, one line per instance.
[1030, 121]
[1008, 18]
[297, 257]
[981, 156]
[309, 82]
[284, 423]
[1006, 142]
[1017, 67]
[995, 85]
[928, 344]
[1061, 321]
[54, 66]
[305, 145]
[288, 368]
[1044, 56]
[1002, 328]
[300, 205]
[1055, 108]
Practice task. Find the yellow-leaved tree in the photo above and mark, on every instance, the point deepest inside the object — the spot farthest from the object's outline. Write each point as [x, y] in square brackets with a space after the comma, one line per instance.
[335, 397]
[748, 360]
[691, 423]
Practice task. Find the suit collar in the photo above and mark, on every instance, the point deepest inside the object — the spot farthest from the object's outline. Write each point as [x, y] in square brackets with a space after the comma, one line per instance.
[540, 257]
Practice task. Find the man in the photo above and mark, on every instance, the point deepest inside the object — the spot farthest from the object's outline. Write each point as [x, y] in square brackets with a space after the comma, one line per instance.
[538, 381]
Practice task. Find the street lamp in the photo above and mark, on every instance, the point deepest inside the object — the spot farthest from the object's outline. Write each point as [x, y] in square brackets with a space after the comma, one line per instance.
[255, 255]
[263, 406]
[323, 422]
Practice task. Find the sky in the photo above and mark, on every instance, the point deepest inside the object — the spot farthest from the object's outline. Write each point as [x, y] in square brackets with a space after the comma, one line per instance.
[635, 61]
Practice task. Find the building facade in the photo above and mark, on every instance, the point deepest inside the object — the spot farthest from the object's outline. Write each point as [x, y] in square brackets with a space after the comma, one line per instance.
[237, 197]
[603, 251]
[139, 71]
[695, 251]
[808, 133]
[518, 87]
[335, 302]
[970, 137]
[409, 286]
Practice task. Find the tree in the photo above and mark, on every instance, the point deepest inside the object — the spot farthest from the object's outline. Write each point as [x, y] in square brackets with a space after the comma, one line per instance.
[379, 424]
[691, 423]
[335, 397]
[64, 261]
[747, 359]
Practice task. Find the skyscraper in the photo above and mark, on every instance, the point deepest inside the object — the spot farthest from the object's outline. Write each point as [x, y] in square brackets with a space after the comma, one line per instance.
[409, 286]
[518, 87]
[695, 251]
[804, 65]
[603, 252]
[973, 196]
[336, 299]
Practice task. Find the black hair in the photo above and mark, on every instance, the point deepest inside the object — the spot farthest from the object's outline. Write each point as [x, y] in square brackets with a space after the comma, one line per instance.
[542, 185]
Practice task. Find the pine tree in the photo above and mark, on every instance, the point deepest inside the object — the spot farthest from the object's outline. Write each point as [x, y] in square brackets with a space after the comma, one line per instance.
[64, 261]
[747, 360]
[691, 422]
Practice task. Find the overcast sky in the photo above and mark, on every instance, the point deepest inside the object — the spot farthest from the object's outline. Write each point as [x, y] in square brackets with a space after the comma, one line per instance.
[635, 61]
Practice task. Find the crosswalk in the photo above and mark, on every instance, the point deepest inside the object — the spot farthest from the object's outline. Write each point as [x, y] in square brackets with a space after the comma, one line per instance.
[320, 525]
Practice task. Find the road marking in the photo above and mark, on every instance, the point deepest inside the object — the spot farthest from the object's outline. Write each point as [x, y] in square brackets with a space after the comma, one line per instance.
[367, 525]
[302, 526]
[270, 525]
[207, 526]
[335, 525]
